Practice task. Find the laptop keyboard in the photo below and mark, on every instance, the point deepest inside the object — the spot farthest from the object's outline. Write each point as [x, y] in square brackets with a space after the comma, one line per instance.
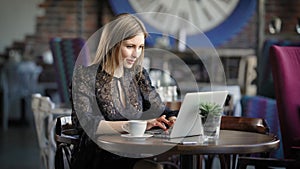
[160, 133]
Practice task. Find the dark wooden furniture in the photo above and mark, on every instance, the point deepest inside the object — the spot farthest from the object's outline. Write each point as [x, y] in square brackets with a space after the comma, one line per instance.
[247, 124]
[257, 125]
[259, 162]
[230, 142]
[66, 138]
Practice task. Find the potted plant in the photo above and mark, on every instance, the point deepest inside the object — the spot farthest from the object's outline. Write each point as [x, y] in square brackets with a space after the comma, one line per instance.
[210, 108]
[210, 114]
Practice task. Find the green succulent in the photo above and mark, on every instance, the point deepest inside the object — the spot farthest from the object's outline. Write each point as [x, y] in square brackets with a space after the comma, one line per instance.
[210, 108]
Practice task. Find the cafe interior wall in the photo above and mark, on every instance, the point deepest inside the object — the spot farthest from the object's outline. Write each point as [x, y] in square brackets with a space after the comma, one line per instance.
[73, 18]
[16, 20]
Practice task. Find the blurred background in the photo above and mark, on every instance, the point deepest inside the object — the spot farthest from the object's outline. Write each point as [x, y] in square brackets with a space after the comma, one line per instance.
[241, 34]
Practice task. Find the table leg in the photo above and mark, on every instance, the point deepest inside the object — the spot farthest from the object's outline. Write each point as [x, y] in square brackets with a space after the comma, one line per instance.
[189, 161]
[224, 161]
[209, 161]
[201, 161]
[228, 161]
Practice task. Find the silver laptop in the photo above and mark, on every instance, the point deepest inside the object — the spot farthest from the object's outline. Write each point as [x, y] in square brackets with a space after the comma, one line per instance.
[188, 121]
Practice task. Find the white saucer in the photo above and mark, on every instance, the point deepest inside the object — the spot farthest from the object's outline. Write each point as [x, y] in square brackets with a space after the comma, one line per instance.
[143, 137]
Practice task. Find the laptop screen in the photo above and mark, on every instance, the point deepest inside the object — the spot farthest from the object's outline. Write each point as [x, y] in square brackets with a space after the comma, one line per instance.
[187, 123]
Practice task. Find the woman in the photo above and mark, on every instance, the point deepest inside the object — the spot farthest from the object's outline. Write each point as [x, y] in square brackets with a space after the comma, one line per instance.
[113, 90]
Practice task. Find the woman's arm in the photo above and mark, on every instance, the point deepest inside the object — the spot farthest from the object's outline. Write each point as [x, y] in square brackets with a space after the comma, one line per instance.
[111, 127]
[114, 127]
[86, 113]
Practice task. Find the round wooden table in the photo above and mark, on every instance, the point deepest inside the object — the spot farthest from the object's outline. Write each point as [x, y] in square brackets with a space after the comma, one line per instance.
[230, 142]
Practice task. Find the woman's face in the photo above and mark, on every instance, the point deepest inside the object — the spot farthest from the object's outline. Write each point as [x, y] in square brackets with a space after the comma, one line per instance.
[131, 49]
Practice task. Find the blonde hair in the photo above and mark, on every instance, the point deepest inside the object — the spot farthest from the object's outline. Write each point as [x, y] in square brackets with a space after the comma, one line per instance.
[123, 27]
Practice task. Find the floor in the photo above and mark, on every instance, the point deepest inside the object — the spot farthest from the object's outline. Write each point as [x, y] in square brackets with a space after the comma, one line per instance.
[19, 147]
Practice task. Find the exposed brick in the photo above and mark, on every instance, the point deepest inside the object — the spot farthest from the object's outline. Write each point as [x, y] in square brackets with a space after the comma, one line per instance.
[63, 18]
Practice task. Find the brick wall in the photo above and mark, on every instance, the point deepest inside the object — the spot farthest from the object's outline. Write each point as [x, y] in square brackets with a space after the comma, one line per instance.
[72, 18]
[68, 18]
[288, 11]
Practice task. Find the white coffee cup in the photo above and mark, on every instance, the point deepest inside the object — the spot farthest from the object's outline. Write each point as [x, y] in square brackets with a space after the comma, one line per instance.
[136, 128]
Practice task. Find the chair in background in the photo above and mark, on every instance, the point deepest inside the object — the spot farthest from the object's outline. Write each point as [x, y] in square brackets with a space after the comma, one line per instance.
[66, 52]
[264, 107]
[285, 64]
[45, 113]
[18, 82]
[256, 125]
[66, 138]
[40, 129]
[41, 119]
[259, 163]
[265, 81]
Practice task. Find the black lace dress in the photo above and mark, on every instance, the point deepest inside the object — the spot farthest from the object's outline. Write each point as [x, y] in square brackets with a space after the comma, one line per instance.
[96, 96]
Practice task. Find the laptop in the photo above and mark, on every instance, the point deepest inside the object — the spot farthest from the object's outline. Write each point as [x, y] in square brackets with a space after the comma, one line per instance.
[188, 120]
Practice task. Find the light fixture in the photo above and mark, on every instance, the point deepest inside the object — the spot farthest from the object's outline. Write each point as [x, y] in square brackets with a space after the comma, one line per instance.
[298, 25]
[275, 25]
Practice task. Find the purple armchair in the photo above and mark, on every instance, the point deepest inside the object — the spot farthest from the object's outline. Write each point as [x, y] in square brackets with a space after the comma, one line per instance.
[285, 63]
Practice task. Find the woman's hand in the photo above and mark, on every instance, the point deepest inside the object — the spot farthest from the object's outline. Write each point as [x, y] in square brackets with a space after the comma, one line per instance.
[159, 122]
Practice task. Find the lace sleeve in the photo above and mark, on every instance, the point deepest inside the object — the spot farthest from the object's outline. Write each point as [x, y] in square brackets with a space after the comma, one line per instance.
[85, 109]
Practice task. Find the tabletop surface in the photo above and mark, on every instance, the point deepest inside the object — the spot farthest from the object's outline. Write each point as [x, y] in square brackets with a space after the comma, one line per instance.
[229, 142]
